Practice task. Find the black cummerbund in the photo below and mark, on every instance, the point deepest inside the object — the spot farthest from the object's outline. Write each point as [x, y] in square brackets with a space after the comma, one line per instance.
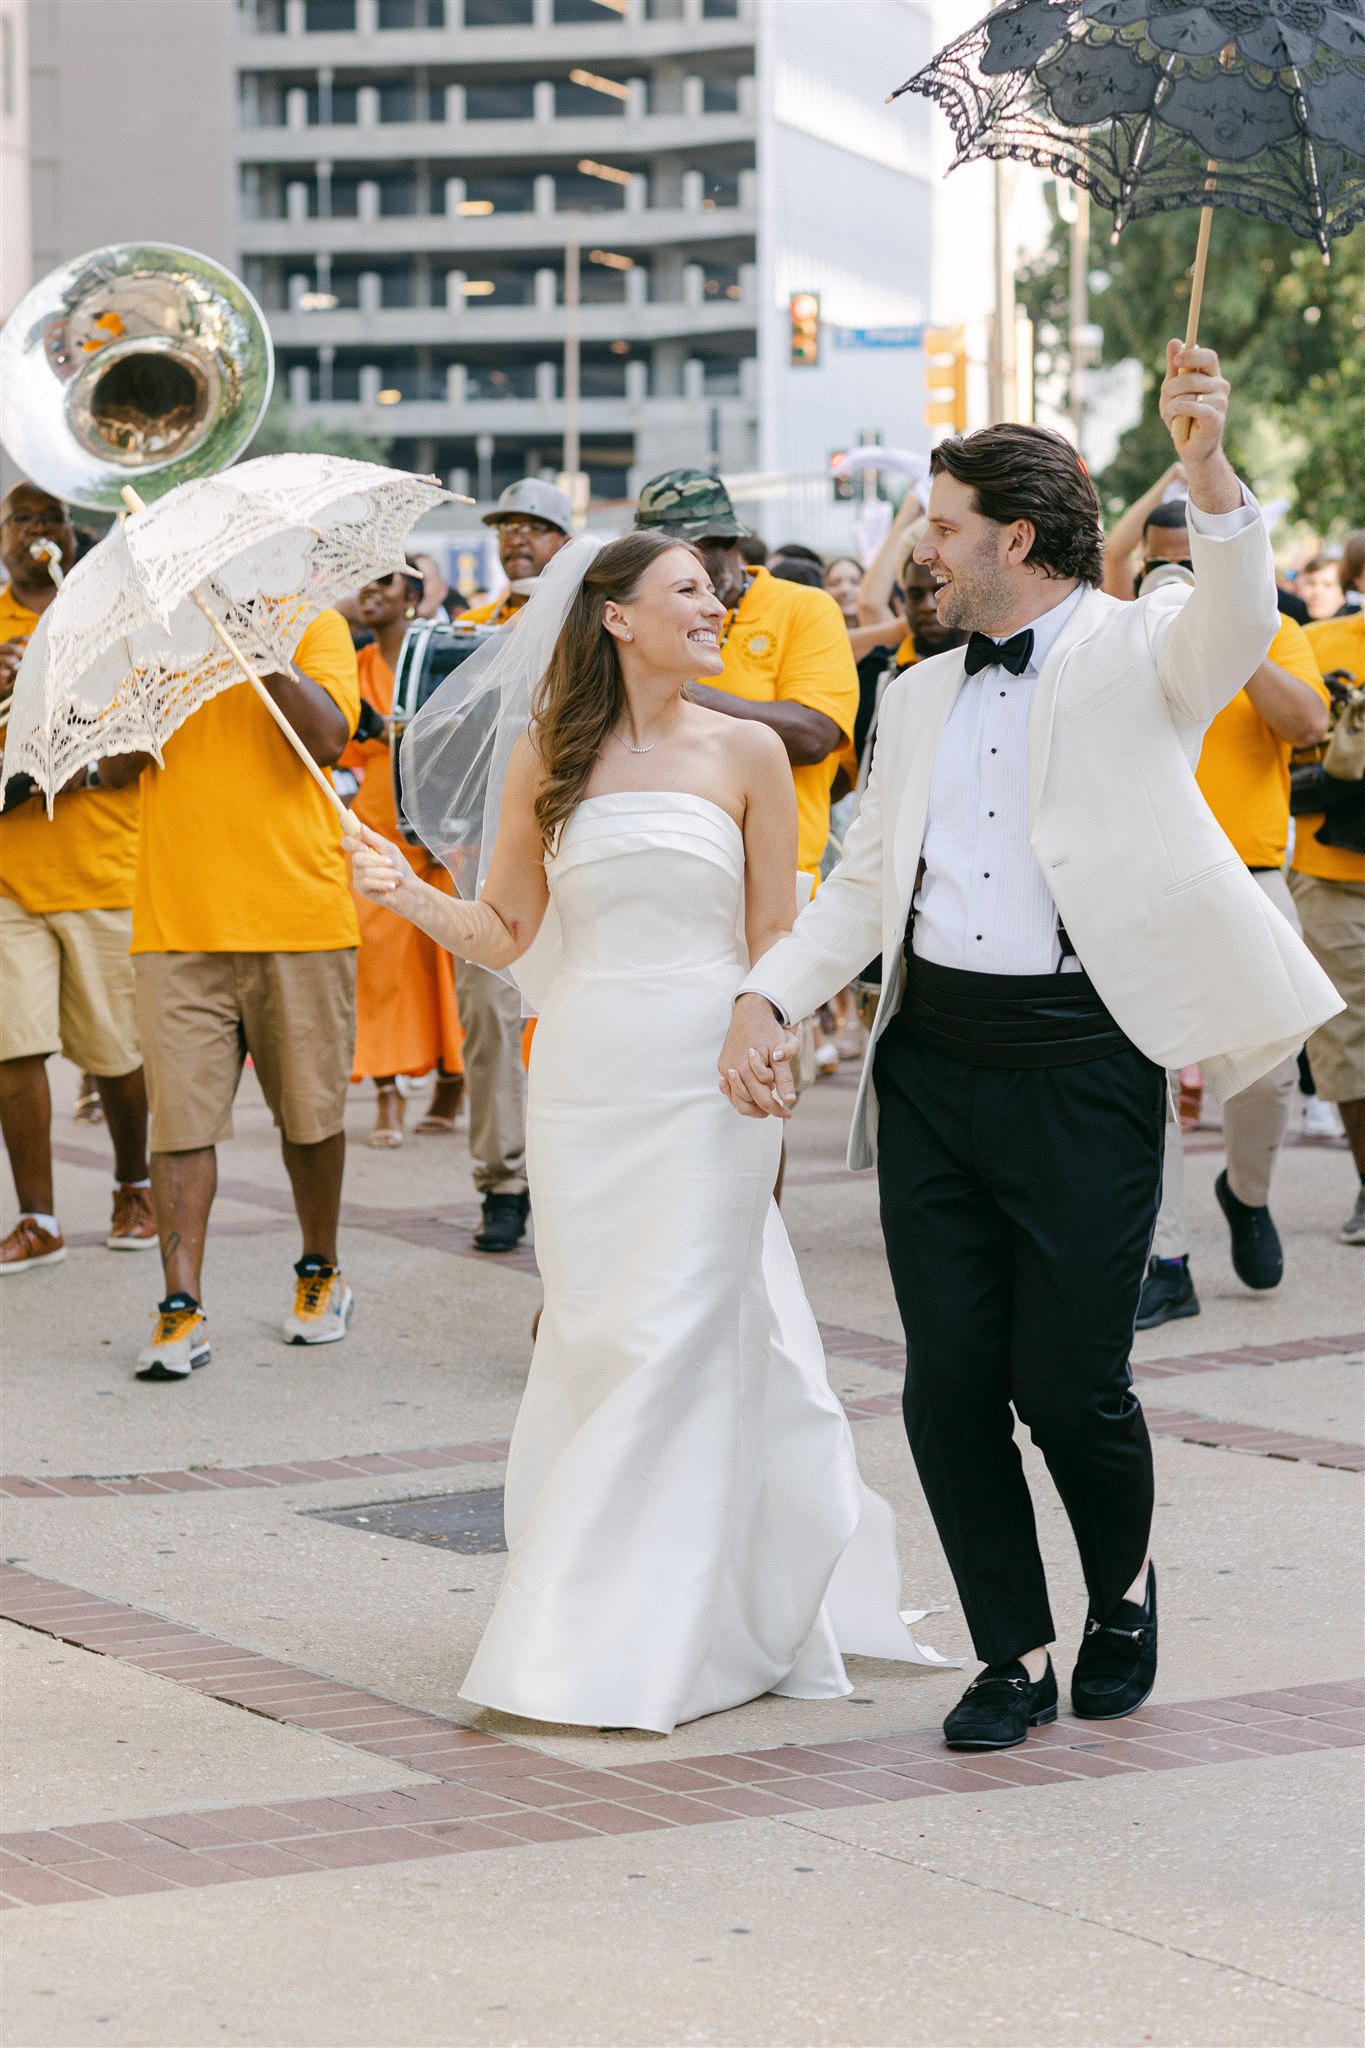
[1007, 1020]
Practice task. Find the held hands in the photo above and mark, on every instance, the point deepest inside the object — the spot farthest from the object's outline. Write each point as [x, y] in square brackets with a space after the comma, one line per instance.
[378, 869]
[755, 1061]
[1196, 391]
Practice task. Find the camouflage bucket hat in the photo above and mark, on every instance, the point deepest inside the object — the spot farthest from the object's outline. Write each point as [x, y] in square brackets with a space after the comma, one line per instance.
[693, 503]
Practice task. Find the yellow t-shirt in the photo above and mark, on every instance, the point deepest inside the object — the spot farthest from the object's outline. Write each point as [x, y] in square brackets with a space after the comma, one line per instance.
[1244, 768]
[1336, 644]
[84, 856]
[240, 851]
[499, 611]
[786, 643]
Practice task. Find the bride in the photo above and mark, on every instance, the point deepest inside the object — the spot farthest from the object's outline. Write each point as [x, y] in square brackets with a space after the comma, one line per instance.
[686, 1525]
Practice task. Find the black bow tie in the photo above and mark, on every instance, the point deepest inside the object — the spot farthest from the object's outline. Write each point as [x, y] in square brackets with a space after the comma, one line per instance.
[1014, 654]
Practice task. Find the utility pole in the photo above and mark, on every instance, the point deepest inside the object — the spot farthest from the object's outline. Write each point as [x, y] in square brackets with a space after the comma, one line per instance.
[1001, 367]
[572, 379]
[1079, 317]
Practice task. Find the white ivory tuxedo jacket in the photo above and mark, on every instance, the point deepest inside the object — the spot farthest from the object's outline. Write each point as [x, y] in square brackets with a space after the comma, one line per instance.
[1192, 960]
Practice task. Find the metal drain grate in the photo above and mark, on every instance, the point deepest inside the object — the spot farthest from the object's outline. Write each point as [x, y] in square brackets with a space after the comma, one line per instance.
[470, 1523]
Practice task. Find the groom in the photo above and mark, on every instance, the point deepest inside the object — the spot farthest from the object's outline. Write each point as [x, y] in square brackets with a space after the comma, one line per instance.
[1061, 920]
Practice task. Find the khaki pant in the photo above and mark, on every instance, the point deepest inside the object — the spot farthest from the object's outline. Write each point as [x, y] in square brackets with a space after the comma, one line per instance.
[803, 1068]
[1333, 918]
[66, 985]
[494, 1077]
[1254, 1124]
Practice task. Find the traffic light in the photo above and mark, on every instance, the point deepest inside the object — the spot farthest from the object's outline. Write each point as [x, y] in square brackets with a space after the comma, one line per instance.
[805, 322]
[945, 378]
[843, 485]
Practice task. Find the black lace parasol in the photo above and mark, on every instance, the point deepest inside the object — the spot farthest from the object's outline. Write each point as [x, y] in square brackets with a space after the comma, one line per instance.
[1160, 104]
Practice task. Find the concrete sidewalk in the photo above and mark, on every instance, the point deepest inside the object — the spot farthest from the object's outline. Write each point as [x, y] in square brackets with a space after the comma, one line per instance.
[244, 1794]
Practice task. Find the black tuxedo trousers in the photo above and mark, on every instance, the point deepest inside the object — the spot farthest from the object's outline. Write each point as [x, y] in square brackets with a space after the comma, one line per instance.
[1018, 1205]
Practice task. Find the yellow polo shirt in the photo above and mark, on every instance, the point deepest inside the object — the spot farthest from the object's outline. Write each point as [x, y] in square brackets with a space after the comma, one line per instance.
[786, 643]
[84, 856]
[1336, 644]
[499, 611]
[1244, 767]
[240, 851]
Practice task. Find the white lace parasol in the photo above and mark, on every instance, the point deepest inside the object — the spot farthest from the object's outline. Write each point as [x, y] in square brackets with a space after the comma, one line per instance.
[189, 594]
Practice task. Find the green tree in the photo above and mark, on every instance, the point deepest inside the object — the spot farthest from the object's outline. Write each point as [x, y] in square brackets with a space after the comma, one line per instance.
[281, 432]
[1290, 332]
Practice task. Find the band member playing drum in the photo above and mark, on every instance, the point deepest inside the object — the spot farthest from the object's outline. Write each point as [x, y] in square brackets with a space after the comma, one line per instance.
[532, 520]
[406, 1018]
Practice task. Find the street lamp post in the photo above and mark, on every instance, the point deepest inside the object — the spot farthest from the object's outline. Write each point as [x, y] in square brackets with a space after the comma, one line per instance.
[1001, 368]
[573, 258]
[1079, 308]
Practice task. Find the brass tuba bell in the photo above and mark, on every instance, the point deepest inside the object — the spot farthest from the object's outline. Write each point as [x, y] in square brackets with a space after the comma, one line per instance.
[140, 363]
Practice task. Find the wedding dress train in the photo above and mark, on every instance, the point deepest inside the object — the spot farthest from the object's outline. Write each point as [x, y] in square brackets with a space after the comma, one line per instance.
[686, 1524]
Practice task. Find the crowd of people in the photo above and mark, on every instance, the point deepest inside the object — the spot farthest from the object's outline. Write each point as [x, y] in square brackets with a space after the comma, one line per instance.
[172, 919]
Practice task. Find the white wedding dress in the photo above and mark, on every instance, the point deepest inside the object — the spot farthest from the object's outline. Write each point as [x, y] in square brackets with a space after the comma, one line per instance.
[686, 1525]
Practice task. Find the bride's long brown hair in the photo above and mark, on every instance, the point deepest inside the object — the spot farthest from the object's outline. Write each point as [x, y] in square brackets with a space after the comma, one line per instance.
[581, 695]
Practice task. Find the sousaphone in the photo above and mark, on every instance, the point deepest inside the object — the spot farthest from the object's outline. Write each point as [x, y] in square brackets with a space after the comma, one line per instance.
[139, 364]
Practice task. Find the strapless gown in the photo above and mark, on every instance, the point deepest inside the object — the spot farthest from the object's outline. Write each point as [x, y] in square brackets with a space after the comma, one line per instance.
[686, 1525]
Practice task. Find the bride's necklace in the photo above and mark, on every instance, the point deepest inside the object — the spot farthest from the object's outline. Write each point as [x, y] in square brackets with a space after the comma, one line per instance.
[643, 750]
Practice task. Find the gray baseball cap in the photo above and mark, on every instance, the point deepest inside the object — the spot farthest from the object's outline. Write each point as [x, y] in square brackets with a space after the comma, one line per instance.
[533, 499]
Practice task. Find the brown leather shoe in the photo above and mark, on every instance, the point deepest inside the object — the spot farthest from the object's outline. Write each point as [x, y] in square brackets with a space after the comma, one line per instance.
[28, 1245]
[133, 1228]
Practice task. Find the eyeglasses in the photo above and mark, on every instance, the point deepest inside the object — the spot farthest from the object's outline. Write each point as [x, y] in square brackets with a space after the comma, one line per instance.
[527, 529]
[42, 522]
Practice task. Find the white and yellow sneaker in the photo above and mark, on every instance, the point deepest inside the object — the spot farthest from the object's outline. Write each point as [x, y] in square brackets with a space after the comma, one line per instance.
[180, 1341]
[322, 1304]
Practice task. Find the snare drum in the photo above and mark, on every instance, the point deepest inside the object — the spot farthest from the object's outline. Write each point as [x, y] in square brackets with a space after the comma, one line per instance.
[427, 656]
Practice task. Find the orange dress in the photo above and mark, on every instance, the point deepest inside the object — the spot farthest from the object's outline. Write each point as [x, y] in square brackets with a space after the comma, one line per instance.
[407, 1021]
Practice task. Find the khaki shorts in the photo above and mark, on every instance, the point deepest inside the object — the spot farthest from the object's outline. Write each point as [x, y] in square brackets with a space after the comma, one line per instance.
[202, 1013]
[66, 985]
[1333, 918]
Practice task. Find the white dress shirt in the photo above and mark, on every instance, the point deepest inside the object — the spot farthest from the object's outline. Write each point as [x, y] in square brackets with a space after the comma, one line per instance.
[983, 904]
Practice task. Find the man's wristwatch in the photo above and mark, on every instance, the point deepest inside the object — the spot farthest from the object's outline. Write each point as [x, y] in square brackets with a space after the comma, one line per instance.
[92, 776]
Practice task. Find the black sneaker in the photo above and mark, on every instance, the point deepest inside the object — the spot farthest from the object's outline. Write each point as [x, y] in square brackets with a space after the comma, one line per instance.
[1000, 1706]
[1167, 1293]
[1116, 1666]
[1257, 1258]
[504, 1223]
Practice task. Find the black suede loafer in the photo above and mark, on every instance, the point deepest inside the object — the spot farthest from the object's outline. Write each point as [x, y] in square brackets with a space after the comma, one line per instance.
[1257, 1255]
[1116, 1668]
[1000, 1706]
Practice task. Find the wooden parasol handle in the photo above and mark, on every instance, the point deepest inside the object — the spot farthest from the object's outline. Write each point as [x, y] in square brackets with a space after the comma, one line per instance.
[1184, 427]
[324, 782]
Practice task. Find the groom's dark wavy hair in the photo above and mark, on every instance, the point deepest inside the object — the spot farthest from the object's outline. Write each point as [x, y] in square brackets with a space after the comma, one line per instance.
[1021, 472]
[581, 695]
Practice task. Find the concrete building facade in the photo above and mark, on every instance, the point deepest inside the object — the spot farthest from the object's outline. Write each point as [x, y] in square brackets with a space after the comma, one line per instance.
[400, 182]
[411, 173]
